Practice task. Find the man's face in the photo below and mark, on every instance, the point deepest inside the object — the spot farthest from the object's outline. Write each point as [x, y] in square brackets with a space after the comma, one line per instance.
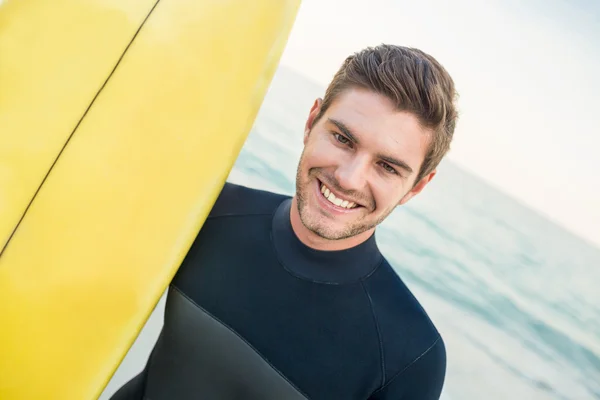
[360, 160]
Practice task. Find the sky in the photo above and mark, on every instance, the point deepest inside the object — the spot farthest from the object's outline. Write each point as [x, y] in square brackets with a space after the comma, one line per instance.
[528, 79]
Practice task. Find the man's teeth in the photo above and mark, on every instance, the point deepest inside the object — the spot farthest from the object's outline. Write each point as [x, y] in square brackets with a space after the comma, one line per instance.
[337, 201]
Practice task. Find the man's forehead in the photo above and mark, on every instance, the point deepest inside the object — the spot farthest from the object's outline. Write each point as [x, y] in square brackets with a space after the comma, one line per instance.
[376, 117]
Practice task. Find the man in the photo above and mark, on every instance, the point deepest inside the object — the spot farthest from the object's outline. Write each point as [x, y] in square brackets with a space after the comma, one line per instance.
[290, 298]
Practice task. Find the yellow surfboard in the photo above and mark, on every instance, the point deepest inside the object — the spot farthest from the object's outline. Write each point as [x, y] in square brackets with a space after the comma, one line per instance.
[119, 122]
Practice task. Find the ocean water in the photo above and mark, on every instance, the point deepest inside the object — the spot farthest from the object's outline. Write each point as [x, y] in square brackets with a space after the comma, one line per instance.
[515, 297]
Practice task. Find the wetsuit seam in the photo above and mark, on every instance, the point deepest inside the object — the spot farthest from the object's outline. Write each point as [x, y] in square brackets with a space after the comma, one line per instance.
[272, 215]
[292, 273]
[282, 264]
[242, 338]
[379, 263]
[381, 353]
[399, 373]
[304, 278]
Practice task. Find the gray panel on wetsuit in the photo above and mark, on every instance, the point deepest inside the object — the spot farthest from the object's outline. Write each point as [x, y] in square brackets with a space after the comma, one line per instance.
[197, 357]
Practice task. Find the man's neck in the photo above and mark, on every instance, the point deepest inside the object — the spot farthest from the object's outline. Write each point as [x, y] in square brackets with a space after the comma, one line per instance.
[317, 242]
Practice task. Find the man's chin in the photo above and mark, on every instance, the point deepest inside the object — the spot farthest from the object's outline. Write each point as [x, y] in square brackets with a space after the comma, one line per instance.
[325, 225]
[328, 230]
[326, 233]
[317, 223]
[338, 235]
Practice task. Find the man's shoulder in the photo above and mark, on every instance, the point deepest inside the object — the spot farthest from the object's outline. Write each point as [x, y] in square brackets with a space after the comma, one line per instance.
[239, 200]
[393, 296]
[407, 331]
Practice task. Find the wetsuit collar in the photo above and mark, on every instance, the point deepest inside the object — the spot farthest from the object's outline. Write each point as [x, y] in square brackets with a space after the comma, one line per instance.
[334, 267]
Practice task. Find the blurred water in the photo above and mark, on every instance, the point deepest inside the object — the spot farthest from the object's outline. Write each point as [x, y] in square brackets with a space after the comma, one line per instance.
[514, 296]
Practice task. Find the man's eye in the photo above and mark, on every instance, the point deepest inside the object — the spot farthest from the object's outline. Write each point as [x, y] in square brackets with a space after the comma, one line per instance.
[389, 168]
[341, 139]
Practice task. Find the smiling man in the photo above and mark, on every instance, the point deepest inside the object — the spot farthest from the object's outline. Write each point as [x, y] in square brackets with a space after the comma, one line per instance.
[290, 298]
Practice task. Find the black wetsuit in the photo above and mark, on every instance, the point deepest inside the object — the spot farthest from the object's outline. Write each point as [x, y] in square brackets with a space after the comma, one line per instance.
[254, 314]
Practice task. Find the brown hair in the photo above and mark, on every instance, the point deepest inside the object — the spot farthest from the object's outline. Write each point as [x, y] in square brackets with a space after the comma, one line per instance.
[414, 81]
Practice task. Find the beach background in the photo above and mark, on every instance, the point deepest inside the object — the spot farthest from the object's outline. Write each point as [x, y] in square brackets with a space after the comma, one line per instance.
[503, 247]
[514, 295]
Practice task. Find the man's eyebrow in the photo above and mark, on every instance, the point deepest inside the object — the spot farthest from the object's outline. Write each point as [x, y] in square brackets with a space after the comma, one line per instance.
[391, 160]
[396, 162]
[345, 130]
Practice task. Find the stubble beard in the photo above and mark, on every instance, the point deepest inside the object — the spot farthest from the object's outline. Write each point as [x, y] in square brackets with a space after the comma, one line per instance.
[318, 224]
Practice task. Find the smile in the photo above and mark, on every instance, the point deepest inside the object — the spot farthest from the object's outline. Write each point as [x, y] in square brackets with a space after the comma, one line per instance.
[336, 201]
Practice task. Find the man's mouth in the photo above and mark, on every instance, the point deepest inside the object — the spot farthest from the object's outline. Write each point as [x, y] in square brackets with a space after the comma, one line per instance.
[338, 201]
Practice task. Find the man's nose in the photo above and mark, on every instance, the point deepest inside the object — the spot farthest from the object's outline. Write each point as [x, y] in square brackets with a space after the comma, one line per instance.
[352, 175]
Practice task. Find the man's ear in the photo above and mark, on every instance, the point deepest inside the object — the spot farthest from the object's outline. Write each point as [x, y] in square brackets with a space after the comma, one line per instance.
[417, 188]
[314, 111]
